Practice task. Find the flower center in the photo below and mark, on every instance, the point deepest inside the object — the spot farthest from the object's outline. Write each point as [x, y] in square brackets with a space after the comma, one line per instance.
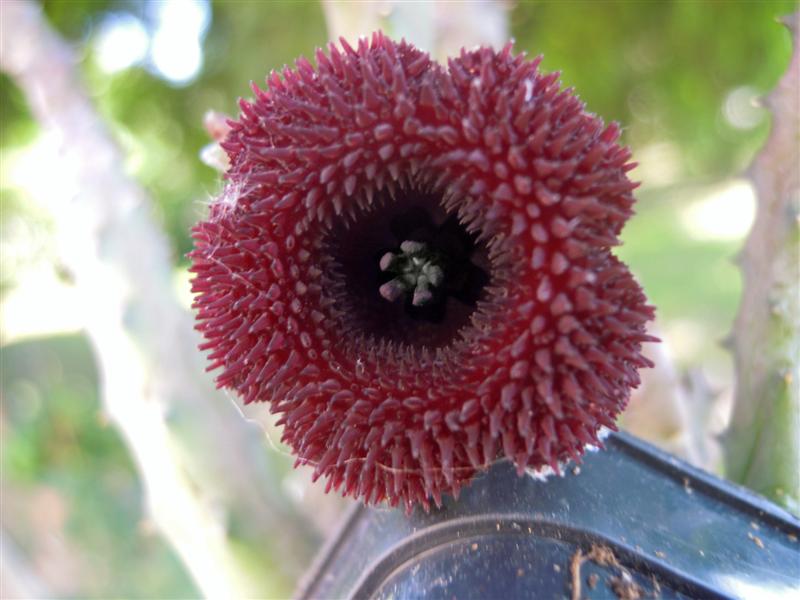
[416, 268]
[405, 270]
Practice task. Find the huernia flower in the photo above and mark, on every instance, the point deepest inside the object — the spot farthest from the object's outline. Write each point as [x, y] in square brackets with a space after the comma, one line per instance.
[412, 265]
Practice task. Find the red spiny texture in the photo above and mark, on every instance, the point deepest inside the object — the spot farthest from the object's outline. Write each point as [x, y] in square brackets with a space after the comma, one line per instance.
[549, 355]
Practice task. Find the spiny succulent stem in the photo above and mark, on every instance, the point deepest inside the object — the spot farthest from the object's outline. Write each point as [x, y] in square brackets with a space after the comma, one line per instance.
[762, 444]
[417, 268]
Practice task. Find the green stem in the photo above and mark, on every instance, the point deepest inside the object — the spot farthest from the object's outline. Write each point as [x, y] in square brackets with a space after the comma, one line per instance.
[762, 445]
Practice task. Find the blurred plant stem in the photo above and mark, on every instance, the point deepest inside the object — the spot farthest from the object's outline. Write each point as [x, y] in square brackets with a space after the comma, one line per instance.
[441, 28]
[17, 577]
[665, 412]
[210, 486]
[762, 445]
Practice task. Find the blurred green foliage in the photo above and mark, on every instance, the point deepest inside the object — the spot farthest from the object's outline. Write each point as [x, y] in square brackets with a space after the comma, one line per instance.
[161, 125]
[17, 128]
[690, 281]
[663, 69]
[56, 445]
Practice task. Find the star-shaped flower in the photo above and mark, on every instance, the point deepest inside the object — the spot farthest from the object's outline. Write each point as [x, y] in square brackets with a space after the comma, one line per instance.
[413, 266]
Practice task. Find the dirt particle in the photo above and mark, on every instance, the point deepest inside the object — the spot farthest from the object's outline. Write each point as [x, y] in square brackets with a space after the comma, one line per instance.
[625, 587]
[576, 470]
[575, 571]
[603, 556]
[660, 554]
[623, 584]
[474, 546]
[792, 538]
[520, 572]
[756, 540]
[754, 525]
[557, 568]
[687, 486]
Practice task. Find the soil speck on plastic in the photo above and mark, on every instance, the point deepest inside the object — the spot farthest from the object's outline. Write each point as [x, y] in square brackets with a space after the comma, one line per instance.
[625, 587]
[575, 571]
[623, 584]
[756, 540]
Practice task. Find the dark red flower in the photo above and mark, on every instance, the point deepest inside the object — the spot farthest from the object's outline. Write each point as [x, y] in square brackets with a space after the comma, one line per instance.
[412, 266]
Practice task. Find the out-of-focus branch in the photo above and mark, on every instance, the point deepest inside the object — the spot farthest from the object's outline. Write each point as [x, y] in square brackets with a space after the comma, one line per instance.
[762, 446]
[664, 412]
[208, 482]
[17, 578]
[441, 28]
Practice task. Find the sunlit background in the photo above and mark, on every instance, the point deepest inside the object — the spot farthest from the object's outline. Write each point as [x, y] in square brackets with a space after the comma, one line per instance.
[684, 79]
